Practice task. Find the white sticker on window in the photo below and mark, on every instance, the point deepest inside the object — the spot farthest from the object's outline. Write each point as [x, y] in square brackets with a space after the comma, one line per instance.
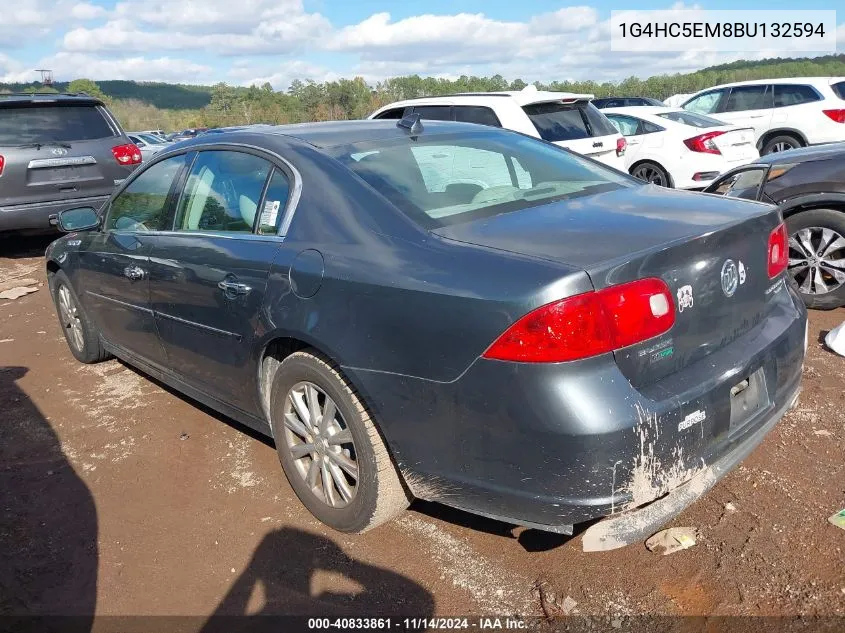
[270, 213]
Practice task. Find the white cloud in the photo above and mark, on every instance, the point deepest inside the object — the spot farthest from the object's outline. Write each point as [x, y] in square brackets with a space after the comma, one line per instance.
[23, 19]
[72, 65]
[281, 75]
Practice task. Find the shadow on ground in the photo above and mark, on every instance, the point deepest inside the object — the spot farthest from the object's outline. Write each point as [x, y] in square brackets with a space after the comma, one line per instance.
[294, 572]
[48, 520]
[19, 246]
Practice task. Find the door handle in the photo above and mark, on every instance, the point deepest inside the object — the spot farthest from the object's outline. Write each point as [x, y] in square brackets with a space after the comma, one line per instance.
[134, 273]
[233, 289]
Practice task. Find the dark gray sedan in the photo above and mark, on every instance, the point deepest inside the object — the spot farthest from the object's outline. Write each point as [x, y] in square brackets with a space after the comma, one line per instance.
[446, 311]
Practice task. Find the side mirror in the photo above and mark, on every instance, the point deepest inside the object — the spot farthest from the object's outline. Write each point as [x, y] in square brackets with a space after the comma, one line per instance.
[79, 219]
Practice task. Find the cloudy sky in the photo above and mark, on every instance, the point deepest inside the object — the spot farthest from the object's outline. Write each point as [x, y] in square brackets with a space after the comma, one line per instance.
[253, 41]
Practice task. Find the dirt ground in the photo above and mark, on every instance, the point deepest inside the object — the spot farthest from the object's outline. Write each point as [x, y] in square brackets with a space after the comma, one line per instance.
[118, 494]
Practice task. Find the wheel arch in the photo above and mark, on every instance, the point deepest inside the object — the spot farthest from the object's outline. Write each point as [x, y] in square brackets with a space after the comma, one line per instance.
[834, 202]
[781, 131]
[653, 162]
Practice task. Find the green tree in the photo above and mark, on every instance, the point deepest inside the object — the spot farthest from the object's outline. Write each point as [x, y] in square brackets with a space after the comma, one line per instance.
[87, 86]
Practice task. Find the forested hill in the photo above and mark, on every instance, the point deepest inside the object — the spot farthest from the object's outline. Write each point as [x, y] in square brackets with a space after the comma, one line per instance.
[161, 95]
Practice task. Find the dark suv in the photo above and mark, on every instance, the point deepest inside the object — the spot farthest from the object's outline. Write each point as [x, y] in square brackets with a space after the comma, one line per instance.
[57, 152]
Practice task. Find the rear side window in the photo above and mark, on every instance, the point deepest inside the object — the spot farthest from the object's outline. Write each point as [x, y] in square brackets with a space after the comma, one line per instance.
[434, 113]
[222, 193]
[477, 114]
[53, 123]
[691, 118]
[567, 122]
[787, 95]
[839, 89]
[749, 98]
[142, 206]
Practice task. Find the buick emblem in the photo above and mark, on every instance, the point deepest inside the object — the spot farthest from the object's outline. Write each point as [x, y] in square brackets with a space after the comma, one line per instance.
[730, 278]
[58, 151]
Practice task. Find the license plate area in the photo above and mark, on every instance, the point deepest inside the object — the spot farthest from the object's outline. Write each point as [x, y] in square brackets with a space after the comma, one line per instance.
[748, 398]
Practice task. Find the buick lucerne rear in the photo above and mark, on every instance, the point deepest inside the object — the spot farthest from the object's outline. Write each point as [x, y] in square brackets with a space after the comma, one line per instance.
[455, 313]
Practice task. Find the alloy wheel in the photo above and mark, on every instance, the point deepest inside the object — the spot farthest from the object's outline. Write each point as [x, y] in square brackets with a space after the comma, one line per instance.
[70, 319]
[321, 444]
[650, 174]
[817, 260]
[783, 146]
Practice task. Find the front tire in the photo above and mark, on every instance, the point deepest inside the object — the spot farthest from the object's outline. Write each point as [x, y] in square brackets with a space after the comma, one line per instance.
[332, 454]
[781, 143]
[817, 257]
[652, 173]
[81, 334]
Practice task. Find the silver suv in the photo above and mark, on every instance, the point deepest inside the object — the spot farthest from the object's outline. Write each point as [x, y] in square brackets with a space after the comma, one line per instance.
[57, 152]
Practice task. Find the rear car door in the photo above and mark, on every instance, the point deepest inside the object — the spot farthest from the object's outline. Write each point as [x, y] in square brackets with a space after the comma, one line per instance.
[61, 149]
[749, 106]
[115, 268]
[209, 274]
[632, 129]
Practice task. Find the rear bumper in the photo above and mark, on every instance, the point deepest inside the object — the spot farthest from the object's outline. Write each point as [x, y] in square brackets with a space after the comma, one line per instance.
[552, 445]
[36, 216]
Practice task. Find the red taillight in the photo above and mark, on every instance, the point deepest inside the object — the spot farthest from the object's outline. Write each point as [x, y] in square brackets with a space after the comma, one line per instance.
[704, 143]
[621, 145]
[128, 154]
[2, 164]
[588, 324]
[778, 251]
[836, 115]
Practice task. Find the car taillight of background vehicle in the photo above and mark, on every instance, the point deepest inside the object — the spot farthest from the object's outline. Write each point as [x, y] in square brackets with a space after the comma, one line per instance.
[621, 145]
[778, 251]
[704, 143]
[588, 324]
[2, 164]
[128, 154]
[836, 115]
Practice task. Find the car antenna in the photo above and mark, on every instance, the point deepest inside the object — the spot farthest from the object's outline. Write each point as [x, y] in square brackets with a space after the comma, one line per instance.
[411, 122]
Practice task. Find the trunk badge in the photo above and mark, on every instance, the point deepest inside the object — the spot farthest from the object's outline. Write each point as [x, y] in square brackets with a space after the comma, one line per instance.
[58, 151]
[730, 278]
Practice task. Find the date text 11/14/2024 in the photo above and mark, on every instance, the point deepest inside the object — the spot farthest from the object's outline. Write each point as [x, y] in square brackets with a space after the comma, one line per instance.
[418, 624]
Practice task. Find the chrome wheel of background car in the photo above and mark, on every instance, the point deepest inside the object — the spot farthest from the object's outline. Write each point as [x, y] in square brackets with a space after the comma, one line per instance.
[70, 318]
[650, 174]
[817, 260]
[321, 444]
[783, 146]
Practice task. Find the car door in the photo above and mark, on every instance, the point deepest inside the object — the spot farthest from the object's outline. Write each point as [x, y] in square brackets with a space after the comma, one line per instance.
[114, 269]
[749, 106]
[631, 128]
[209, 274]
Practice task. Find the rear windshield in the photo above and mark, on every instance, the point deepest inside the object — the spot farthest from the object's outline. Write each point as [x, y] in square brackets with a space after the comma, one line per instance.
[452, 178]
[52, 123]
[691, 118]
[839, 89]
[568, 122]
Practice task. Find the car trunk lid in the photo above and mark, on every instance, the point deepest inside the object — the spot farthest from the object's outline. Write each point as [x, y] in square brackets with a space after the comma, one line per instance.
[711, 252]
[737, 144]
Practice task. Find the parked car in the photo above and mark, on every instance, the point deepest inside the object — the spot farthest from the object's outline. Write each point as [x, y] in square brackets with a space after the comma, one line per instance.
[562, 118]
[808, 185]
[785, 113]
[671, 147]
[157, 133]
[626, 102]
[57, 152]
[554, 344]
[148, 144]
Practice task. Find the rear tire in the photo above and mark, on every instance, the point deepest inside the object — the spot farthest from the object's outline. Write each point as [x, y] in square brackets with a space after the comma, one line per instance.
[807, 240]
[317, 465]
[81, 334]
[781, 143]
[652, 173]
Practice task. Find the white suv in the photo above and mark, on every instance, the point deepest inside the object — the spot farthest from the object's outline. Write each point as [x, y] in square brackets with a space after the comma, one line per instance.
[562, 118]
[785, 113]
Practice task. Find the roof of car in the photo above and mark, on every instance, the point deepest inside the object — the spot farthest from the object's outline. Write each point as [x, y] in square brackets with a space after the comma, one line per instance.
[48, 97]
[332, 133]
[640, 110]
[804, 154]
[780, 80]
[527, 96]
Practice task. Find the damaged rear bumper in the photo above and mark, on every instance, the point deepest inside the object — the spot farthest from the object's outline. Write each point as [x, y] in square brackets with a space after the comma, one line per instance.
[636, 525]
